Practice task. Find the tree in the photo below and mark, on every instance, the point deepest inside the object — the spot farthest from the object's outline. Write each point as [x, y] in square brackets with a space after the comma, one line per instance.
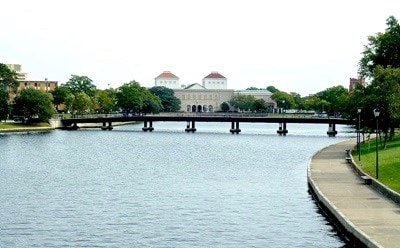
[225, 107]
[272, 89]
[8, 78]
[336, 97]
[384, 94]
[34, 104]
[105, 101]
[260, 105]
[317, 104]
[129, 97]
[169, 102]
[242, 102]
[283, 100]
[383, 49]
[79, 103]
[151, 103]
[81, 84]
[4, 107]
[60, 95]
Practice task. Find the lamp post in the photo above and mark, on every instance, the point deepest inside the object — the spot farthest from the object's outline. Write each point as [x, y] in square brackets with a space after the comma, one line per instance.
[376, 113]
[359, 134]
[283, 108]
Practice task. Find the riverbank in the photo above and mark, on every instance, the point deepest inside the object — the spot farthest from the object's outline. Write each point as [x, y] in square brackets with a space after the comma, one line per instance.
[9, 127]
[360, 210]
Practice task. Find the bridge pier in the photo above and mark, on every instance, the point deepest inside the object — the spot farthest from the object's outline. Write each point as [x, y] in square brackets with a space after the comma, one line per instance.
[282, 129]
[105, 127]
[148, 128]
[190, 126]
[332, 130]
[74, 126]
[234, 129]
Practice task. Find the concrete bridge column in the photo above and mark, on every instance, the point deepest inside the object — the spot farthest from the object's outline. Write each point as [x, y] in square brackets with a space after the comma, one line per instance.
[332, 130]
[190, 127]
[148, 128]
[75, 126]
[105, 127]
[235, 128]
[282, 129]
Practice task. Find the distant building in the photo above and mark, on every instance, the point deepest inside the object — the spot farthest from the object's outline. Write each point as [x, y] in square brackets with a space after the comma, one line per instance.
[209, 96]
[214, 80]
[167, 79]
[354, 82]
[45, 86]
[17, 68]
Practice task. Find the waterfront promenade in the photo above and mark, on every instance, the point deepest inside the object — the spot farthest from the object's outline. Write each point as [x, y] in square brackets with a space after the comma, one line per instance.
[361, 210]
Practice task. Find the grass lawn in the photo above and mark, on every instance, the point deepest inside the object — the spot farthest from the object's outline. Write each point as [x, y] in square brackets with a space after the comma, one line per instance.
[389, 161]
[16, 126]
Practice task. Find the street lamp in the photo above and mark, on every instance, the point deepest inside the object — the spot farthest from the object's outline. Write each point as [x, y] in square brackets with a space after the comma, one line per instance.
[376, 113]
[359, 134]
[283, 108]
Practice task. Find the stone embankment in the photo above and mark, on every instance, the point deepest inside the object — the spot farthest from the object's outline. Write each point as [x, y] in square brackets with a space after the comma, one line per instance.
[359, 209]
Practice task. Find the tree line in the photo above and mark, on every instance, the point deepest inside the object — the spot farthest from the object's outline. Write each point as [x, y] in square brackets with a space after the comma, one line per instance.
[80, 96]
[379, 66]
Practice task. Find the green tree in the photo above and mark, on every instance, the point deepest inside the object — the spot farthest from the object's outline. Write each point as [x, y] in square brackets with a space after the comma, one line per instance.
[336, 97]
[4, 107]
[130, 97]
[151, 103]
[383, 49]
[169, 102]
[298, 100]
[225, 107]
[260, 105]
[60, 95]
[283, 100]
[81, 84]
[79, 103]
[242, 102]
[384, 94]
[272, 89]
[8, 78]
[105, 101]
[32, 104]
[317, 104]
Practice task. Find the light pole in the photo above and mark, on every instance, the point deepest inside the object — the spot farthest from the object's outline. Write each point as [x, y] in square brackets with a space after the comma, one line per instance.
[283, 108]
[359, 134]
[376, 113]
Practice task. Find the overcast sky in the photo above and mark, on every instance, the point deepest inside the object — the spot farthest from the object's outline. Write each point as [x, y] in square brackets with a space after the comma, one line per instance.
[297, 46]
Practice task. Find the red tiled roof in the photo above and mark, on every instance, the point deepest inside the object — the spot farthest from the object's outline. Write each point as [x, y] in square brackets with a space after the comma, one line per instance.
[167, 74]
[215, 74]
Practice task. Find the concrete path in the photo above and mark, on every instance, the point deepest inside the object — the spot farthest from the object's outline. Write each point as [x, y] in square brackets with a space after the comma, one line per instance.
[363, 212]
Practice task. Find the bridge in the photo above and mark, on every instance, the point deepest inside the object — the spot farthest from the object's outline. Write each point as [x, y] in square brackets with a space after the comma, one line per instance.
[191, 118]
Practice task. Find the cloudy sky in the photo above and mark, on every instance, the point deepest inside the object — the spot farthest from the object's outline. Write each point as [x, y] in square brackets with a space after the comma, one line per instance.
[297, 46]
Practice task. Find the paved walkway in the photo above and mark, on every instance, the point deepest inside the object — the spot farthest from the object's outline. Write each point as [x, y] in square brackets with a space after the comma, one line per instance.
[365, 213]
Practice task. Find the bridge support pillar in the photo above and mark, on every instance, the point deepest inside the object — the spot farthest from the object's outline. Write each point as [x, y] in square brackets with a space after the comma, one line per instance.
[332, 130]
[105, 127]
[235, 128]
[282, 129]
[190, 126]
[148, 128]
[74, 126]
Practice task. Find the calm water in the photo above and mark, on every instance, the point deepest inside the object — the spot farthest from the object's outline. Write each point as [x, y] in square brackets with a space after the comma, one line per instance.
[168, 188]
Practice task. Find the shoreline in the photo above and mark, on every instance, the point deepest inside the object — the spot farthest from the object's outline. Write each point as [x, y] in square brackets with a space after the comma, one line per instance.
[363, 214]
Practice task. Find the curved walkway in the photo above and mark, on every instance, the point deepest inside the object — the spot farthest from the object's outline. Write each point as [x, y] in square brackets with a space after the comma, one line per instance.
[362, 211]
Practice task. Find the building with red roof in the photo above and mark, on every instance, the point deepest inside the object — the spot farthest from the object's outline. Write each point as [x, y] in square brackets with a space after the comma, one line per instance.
[214, 80]
[167, 79]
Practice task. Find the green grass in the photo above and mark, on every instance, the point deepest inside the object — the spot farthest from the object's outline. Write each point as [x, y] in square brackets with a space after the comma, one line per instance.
[388, 158]
[17, 126]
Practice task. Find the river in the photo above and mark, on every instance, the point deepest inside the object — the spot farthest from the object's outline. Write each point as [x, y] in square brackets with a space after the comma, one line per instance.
[166, 188]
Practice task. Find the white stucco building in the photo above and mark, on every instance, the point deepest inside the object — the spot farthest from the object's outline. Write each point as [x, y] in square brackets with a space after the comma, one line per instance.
[167, 79]
[214, 80]
[209, 96]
